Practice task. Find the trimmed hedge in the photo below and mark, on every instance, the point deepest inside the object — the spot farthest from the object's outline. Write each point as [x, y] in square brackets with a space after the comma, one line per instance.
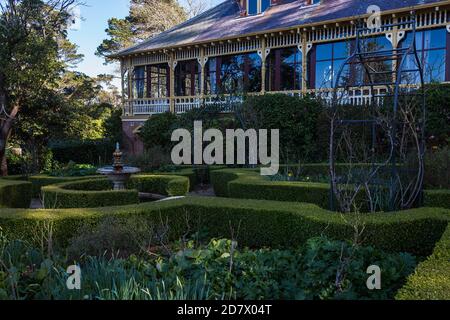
[437, 198]
[94, 193]
[40, 181]
[431, 281]
[15, 194]
[255, 223]
[248, 184]
[86, 194]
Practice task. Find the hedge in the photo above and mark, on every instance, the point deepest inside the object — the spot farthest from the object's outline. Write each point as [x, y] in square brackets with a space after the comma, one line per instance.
[254, 223]
[40, 181]
[97, 192]
[86, 194]
[431, 281]
[15, 194]
[437, 198]
[248, 184]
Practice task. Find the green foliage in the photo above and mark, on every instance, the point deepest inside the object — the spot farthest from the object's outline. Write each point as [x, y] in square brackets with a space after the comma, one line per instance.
[94, 152]
[260, 223]
[438, 114]
[87, 194]
[431, 281]
[145, 20]
[298, 120]
[248, 184]
[74, 170]
[15, 194]
[97, 192]
[157, 131]
[113, 126]
[216, 271]
[437, 198]
[437, 169]
[39, 181]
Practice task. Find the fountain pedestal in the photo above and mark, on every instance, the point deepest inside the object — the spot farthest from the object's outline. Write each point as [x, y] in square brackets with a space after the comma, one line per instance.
[118, 174]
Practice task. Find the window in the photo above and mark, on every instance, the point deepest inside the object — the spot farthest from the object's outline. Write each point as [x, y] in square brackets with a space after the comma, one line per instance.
[381, 66]
[125, 84]
[432, 48]
[187, 75]
[233, 74]
[284, 70]
[328, 60]
[257, 6]
[158, 84]
[139, 81]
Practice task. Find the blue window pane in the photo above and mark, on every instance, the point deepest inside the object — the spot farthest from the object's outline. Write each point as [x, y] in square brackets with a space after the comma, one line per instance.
[434, 67]
[324, 75]
[324, 51]
[264, 5]
[435, 39]
[252, 6]
[341, 50]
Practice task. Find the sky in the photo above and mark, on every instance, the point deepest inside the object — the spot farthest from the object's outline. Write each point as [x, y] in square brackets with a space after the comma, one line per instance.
[89, 32]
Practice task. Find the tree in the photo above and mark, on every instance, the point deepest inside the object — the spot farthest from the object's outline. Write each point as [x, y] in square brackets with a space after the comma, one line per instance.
[30, 34]
[147, 18]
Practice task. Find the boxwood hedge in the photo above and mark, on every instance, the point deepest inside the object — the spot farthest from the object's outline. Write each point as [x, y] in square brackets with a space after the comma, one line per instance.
[437, 198]
[254, 223]
[15, 194]
[431, 281]
[97, 192]
[248, 184]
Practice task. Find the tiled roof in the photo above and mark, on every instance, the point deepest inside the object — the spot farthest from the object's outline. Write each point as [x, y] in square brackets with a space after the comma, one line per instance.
[224, 21]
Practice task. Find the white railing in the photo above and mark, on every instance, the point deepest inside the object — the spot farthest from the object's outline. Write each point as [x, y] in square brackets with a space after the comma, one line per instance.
[226, 103]
[138, 107]
[185, 104]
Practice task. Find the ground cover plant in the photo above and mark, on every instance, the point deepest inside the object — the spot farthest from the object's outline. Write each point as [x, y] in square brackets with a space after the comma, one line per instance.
[215, 270]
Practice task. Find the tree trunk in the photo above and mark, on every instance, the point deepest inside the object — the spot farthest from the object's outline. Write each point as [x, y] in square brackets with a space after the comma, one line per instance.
[5, 131]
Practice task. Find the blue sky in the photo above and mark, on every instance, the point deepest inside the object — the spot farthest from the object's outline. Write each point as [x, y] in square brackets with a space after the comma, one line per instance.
[91, 32]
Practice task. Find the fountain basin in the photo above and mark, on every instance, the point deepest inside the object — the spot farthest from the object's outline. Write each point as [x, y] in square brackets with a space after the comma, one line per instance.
[118, 177]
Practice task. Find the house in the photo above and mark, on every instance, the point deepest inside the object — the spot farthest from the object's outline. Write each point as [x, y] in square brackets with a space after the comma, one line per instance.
[265, 46]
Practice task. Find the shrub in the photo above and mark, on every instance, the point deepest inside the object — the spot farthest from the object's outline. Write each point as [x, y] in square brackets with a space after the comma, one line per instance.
[86, 194]
[260, 223]
[437, 169]
[15, 194]
[157, 130]
[97, 192]
[438, 114]
[94, 152]
[298, 120]
[151, 159]
[437, 198]
[206, 272]
[43, 180]
[431, 281]
[74, 170]
[248, 184]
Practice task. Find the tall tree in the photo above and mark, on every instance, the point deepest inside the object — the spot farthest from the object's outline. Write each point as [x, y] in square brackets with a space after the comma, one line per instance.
[146, 19]
[30, 56]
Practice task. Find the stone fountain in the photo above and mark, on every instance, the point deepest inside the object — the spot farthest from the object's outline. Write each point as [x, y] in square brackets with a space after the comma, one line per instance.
[118, 174]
